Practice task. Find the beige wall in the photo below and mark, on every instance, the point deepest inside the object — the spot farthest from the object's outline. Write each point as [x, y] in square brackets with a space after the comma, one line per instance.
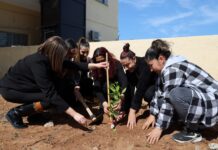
[20, 20]
[202, 50]
[103, 19]
[10, 55]
[28, 4]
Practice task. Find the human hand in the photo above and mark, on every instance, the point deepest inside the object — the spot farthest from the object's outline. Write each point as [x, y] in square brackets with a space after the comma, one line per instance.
[120, 116]
[98, 65]
[105, 106]
[117, 106]
[80, 119]
[102, 65]
[154, 136]
[131, 119]
[150, 121]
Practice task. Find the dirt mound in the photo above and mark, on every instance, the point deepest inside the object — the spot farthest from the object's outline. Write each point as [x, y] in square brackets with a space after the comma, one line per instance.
[67, 134]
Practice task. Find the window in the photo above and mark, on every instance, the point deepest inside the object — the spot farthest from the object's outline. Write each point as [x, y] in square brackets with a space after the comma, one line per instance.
[105, 2]
[9, 39]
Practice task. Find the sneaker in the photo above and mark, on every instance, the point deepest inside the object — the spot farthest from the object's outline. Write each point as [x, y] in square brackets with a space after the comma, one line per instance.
[184, 137]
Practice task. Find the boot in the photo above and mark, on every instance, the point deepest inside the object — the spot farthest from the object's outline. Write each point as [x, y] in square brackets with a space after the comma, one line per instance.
[14, 116]
[15, 119]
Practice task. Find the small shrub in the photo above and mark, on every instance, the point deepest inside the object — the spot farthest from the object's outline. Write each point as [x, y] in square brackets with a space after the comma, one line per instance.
[115, 99]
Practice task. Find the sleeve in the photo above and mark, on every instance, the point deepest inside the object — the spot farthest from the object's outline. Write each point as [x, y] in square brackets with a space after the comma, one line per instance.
[165, 115]
[154, 109]
[98, 91]
[42, 77]
[122, 79]
[68, 64]
[141, 87]
[171, 78]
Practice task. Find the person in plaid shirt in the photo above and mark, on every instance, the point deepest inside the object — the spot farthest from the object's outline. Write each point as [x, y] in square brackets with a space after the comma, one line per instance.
[182, 88]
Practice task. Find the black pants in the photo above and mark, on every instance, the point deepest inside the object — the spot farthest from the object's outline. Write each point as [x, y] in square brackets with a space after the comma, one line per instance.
[63, 87]
[148, 95]
[24, 97]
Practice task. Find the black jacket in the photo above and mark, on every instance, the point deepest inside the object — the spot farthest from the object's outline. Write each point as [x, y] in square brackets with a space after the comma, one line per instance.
[141, 78]
[34, 74]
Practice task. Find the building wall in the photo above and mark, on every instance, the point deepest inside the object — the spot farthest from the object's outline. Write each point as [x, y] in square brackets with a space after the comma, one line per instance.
[202, 50]
[21, 17]
[103, 19]
[10, 55]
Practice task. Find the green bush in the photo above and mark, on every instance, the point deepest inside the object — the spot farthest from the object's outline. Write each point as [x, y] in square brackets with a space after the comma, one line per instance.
[115, 98]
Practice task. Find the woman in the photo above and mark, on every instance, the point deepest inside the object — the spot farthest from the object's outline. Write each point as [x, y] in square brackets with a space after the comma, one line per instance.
[31, 82]
[140, 78]
[71, 82]
[183, 88]
[116, 74]
[73, 51]
[86, 83]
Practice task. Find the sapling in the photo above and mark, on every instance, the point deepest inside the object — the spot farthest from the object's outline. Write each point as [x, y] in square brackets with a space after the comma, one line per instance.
[115, 99]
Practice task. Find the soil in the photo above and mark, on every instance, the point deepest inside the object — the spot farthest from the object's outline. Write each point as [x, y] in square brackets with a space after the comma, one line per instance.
[67, 134]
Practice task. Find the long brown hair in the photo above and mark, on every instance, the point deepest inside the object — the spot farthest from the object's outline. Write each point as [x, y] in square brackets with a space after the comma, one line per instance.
[83, 42]
[101, 51]
[72, 48]
[56, 50]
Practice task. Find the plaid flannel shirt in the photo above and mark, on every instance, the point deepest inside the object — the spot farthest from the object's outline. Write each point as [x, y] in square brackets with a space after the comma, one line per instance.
[204, 106]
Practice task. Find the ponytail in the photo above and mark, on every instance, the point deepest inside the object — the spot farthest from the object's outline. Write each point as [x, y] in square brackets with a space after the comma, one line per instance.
[83, 42]
[127, 53]
[158, 47]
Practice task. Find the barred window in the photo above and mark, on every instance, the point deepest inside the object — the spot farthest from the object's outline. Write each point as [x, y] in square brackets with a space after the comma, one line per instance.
[10, 39]
[105, 2]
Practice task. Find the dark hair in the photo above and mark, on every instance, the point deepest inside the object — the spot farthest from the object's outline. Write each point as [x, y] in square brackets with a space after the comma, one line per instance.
[83, 42]
[70, 44]
[158, 47]
[127, 53]
[56, 50]
[160, 44]
[101, 51]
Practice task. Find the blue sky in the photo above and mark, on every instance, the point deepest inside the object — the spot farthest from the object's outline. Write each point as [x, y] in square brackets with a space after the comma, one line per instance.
[144, 19]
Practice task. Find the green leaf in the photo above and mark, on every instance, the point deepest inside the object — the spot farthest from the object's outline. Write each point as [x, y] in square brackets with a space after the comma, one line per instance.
[118, 88]
[123, 91]
[112, 89]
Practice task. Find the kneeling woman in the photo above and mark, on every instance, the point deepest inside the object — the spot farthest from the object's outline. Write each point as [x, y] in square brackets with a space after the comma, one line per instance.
[184, 88]
[31, 82]
[116, 74]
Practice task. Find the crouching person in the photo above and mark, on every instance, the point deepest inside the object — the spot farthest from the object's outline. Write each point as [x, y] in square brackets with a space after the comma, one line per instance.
[183, 88]
[31, 82]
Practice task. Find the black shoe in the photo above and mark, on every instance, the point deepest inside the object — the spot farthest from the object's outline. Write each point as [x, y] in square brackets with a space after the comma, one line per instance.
[15, 119]
[185, 136]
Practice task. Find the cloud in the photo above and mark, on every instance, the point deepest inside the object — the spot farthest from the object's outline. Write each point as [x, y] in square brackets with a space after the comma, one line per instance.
[140, 4]
[189, 4]
[209, 15]
[166, 20]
